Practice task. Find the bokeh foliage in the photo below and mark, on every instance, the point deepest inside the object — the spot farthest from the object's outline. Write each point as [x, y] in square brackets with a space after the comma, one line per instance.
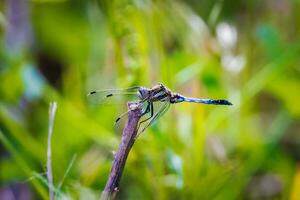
[243, 51]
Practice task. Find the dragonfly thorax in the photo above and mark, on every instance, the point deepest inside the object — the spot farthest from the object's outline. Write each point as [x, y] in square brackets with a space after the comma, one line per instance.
[157, 93]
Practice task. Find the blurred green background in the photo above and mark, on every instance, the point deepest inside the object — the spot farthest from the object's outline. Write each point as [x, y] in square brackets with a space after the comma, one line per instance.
[245, 51]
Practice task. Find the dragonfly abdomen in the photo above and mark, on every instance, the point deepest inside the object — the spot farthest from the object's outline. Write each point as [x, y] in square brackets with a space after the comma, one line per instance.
[207, 101]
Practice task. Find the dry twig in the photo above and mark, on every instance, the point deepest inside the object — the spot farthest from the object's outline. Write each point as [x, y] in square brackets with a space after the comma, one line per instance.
[127, 140]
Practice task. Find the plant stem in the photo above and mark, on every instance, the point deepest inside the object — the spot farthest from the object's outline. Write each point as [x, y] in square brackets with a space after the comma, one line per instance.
[52, 111]
[127, 141]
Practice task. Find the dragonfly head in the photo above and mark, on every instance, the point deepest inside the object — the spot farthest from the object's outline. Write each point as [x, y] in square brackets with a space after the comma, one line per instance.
[143, 93]
[176, 98]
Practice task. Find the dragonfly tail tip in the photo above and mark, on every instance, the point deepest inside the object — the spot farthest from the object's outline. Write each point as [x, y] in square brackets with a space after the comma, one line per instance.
[227, 103]
[224, 102]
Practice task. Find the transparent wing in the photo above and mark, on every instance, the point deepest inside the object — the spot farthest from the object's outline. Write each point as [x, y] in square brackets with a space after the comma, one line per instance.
[113, 96]
[158, 112]
[121, 119]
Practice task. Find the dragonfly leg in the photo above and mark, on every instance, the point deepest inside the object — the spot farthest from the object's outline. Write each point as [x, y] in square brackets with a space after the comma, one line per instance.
[160, 112]
[149, 109]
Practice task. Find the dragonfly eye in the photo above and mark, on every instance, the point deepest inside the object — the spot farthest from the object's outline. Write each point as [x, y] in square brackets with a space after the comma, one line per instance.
[143, 93]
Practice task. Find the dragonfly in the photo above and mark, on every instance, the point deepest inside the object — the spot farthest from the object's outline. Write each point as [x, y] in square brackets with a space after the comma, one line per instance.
[147, 97]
